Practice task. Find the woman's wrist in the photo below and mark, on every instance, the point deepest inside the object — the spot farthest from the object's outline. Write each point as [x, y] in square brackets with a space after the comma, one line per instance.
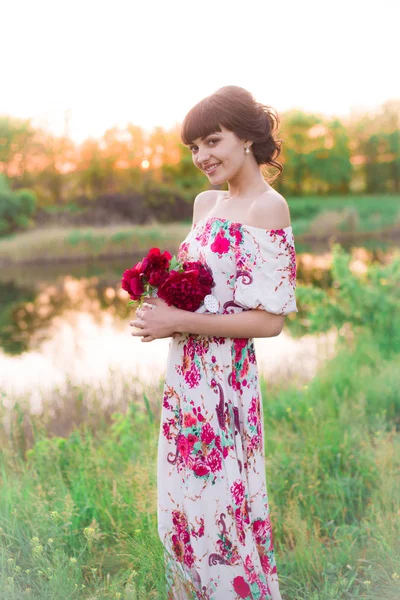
[182, 321]
[246, 324]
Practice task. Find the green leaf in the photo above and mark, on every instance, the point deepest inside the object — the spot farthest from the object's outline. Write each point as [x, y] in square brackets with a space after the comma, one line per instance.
[148, 408]
[174, 263]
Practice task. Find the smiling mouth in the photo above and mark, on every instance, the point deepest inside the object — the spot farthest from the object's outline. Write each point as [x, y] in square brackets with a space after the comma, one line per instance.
[212, 168]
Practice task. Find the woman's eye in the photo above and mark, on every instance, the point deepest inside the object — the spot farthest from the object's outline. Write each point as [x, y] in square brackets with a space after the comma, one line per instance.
[191, 148]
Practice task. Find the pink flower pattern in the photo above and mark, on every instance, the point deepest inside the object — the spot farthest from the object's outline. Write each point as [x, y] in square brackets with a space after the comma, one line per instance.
[213, 511]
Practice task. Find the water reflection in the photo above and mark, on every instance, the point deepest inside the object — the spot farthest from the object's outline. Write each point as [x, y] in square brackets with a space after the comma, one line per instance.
[27, 311]
[85, 347]
[65, 321]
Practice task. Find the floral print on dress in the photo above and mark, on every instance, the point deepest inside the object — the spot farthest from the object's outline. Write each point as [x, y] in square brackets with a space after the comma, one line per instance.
[213, 511]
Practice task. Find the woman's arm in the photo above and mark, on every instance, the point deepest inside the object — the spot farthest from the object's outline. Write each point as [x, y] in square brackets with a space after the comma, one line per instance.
[166, 320]
[246, 324]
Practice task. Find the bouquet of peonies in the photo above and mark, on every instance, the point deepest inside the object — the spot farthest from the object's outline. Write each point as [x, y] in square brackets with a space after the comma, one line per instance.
[159, 274]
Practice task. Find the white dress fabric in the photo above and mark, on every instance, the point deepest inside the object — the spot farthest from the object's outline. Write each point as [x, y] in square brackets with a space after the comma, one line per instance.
[213, 512]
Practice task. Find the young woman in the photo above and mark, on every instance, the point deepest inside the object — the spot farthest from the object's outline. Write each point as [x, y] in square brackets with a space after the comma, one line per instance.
[213, 513]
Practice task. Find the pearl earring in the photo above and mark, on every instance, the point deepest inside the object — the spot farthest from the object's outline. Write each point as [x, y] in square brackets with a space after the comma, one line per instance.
[247, 150]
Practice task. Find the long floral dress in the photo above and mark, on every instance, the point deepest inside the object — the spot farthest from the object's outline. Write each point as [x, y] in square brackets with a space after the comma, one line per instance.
[213, 513]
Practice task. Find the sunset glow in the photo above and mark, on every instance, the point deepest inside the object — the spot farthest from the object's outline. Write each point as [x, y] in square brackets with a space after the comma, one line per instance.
[83, 67]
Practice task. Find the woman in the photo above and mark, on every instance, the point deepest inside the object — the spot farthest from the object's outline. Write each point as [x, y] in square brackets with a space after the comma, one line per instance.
[213, 513]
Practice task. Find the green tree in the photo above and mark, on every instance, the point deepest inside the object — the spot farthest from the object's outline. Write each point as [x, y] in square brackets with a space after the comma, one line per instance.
[377, 142]
[16, 141]
[297, 145]
[16, 207]
[329, 163]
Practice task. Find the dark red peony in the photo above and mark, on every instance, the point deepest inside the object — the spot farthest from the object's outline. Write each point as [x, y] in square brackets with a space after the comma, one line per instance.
[184, 286]
[155, 266]
[184, 289]
[132, 282]
[205, 276]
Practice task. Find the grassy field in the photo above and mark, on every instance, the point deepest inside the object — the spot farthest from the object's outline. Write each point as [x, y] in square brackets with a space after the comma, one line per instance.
[78, 511]
[316, 216]
[78, 482]
[312, 219]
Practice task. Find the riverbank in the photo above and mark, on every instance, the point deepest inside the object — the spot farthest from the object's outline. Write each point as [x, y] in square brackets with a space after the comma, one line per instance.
[73, 245]
[79, 516]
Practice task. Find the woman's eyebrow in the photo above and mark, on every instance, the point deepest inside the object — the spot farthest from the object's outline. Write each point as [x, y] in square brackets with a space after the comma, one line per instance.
[208, 135]
[204, 137]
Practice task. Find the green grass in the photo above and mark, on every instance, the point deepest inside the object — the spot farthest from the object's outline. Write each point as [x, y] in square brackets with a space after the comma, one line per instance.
[312, 218]
[78, 512]
[367, 214]
[73, 244]
[78, 482]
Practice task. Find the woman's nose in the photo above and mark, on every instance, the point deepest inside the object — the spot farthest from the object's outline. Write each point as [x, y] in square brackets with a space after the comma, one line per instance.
[203, 156]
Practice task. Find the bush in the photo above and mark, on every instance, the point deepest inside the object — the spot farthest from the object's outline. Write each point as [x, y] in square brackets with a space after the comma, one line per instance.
[368, 303]
[16, 207]
[158, 203]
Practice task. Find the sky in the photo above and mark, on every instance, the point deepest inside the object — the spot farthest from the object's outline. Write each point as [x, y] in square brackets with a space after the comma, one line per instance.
[83, 66]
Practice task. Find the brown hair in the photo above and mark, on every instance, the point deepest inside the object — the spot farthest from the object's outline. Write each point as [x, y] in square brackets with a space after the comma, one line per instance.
[234, 108]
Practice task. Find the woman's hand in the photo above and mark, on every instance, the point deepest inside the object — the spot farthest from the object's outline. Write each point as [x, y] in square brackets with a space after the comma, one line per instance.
[155, 319]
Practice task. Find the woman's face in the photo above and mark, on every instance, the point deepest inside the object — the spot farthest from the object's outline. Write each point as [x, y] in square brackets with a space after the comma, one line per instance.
[222, 148]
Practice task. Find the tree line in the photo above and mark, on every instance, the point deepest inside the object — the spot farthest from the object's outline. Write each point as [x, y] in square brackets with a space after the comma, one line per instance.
[320, 155]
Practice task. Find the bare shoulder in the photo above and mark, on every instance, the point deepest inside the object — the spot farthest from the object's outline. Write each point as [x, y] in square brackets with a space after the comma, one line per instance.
[271, 211]
[203, 203]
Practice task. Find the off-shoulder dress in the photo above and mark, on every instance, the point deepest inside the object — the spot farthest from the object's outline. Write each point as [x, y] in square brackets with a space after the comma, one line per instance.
[213, 512]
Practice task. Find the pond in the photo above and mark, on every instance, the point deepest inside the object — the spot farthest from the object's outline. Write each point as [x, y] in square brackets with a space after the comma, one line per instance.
[71, 322]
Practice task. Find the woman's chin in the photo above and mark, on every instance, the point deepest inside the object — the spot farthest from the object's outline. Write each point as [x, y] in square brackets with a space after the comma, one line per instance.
[216, 180]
